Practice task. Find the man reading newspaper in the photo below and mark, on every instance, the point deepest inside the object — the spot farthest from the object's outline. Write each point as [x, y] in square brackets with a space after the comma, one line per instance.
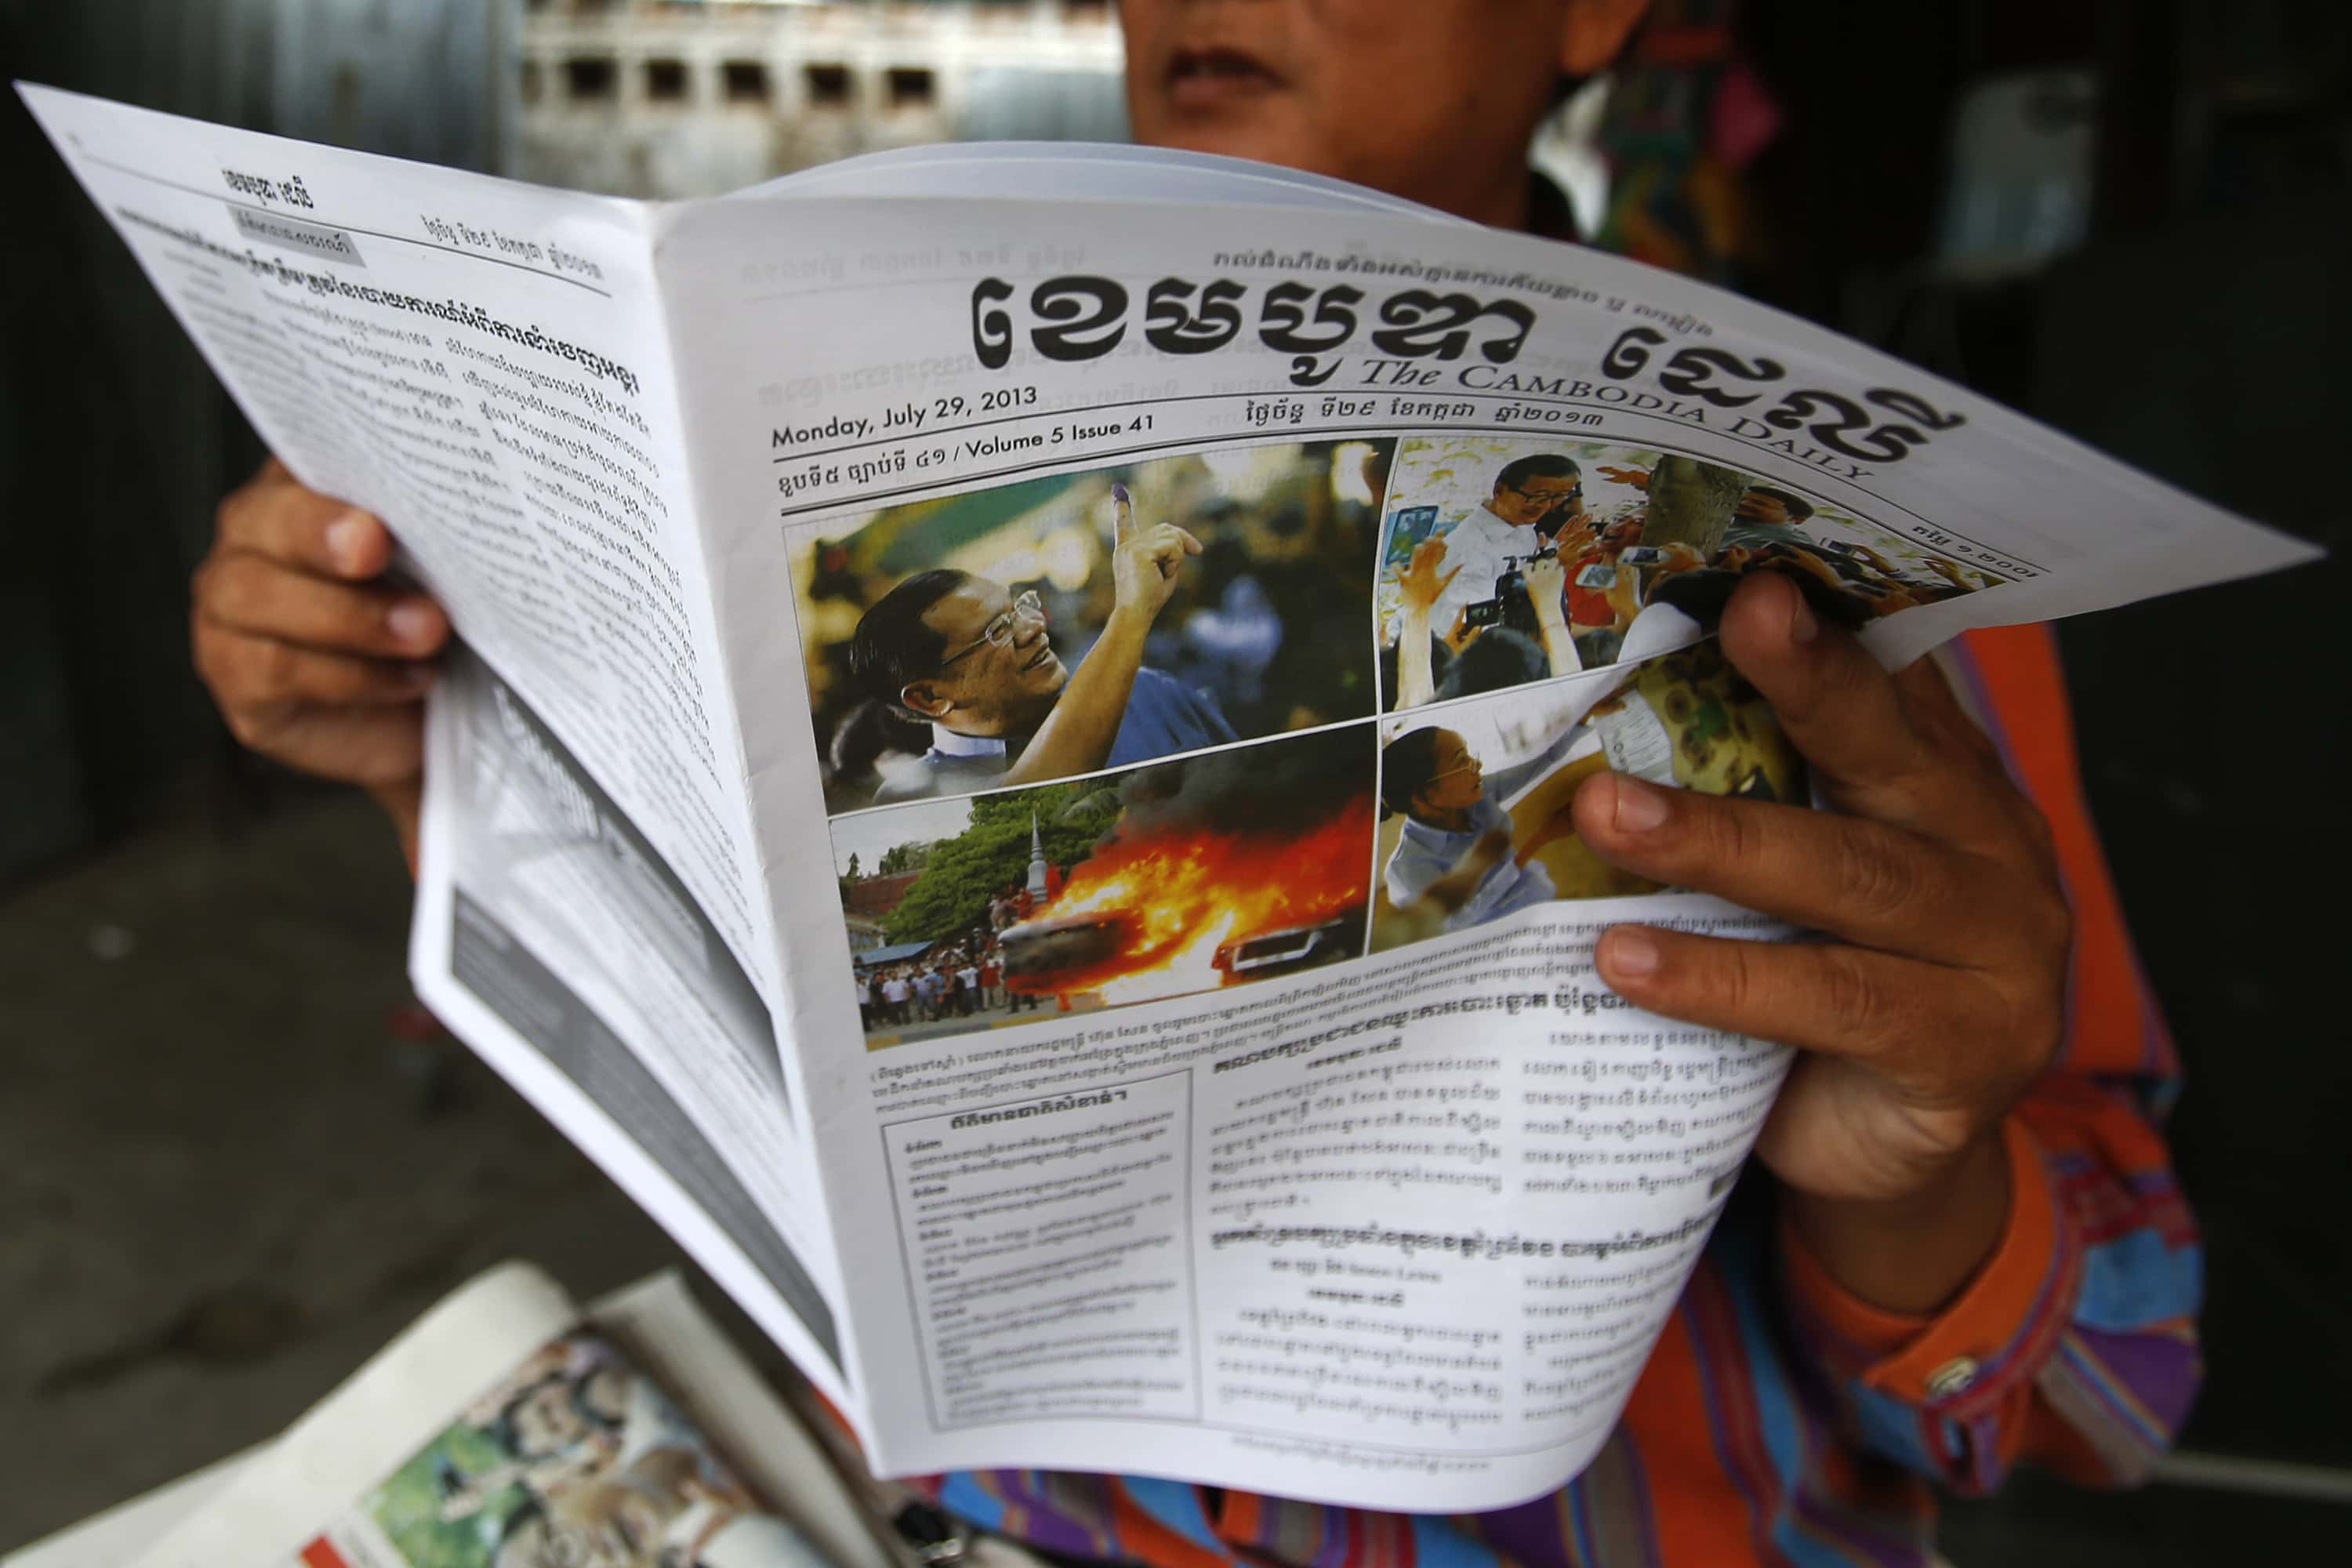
[1964, 1249]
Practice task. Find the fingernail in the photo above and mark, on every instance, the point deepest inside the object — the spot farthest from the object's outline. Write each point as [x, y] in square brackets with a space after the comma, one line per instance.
[1629, 952]
[410, 621]
[1802, 624]
[346, 537]
[1639, 807]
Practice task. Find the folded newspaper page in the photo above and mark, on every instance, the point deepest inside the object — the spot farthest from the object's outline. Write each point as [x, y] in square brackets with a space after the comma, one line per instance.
[509, 1429]
[1008, 775]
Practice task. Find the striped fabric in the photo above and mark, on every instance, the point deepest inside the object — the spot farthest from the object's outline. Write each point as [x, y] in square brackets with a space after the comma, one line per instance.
[1780, 1421]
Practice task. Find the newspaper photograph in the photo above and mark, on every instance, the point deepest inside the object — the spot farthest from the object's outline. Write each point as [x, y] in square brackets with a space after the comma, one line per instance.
[571, 1460]
[944, 637]
[1617, 535]
[1476, 795]
[1241, 865]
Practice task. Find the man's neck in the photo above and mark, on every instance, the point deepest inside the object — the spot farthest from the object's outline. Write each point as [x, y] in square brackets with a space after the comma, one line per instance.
[1015, 737]
[1521, 200]
[1504, 202]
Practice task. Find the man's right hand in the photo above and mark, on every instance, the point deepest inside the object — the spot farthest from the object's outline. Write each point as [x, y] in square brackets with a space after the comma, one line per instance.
[315, 662]
[1144, 561]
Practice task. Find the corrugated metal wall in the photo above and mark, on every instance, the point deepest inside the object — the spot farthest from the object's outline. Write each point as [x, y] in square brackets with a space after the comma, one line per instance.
[115, 440]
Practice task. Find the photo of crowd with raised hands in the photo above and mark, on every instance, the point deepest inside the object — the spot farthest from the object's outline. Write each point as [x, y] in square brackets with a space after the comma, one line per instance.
[1508, 561]
[1062, 625]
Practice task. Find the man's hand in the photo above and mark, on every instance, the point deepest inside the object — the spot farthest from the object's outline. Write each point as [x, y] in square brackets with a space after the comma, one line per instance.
[1078, 735]
[1575, 537]
[1804, 561]
[1547, 582]
[1940, 993]
[1637, 478]
[312, 660]
[1144, 561]
[1420, 585]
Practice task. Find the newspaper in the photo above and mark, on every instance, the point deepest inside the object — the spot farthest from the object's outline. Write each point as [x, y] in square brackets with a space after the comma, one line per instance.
[935, 797]
[508, 1429]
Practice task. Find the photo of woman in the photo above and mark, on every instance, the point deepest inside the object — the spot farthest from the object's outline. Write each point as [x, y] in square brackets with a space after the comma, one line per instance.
[1476, 795]
[1460, 854]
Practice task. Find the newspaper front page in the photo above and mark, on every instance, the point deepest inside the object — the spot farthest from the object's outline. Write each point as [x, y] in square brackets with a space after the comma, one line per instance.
[1011, 781]
[1237, 1099]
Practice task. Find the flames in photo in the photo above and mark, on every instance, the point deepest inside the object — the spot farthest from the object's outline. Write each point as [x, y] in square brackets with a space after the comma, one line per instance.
[1233, 866]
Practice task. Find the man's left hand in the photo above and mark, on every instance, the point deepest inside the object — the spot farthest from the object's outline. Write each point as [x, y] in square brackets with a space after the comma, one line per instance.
[1938, 995]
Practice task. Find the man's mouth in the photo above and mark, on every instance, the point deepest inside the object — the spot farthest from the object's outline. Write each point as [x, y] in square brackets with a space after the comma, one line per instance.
[1207, 78]
[1044, 655]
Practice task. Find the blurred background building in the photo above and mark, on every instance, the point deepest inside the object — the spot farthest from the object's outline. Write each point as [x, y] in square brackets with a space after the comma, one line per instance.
[696, 96]
[231, 1162]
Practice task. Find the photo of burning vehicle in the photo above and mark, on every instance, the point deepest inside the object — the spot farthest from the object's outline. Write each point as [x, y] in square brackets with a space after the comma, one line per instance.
[1222, 869]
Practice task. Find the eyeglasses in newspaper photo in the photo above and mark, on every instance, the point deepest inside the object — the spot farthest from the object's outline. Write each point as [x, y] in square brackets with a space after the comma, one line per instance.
[1001, 630]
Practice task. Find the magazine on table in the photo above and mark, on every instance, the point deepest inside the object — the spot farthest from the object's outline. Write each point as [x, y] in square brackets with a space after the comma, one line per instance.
[1008, 775]
[510, 1427]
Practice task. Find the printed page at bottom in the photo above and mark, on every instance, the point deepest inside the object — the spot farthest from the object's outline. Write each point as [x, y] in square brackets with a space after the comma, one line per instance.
[660, 1330]
[1403, 1236]
[370, 1422]
[576, 1453]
